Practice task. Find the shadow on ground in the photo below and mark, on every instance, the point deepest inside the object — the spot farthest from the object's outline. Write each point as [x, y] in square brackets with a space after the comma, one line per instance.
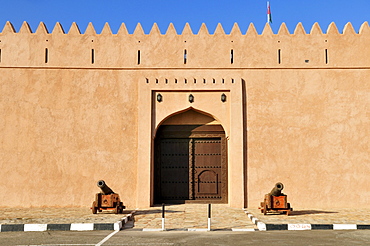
[304, 212]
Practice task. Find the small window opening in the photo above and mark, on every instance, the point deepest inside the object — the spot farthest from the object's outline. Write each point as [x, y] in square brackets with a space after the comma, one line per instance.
[214, 81]
[46, 55]
[223, 81]
[204, 81]
[166, 81]
[147, 80]
[186, 81]
[232, 56]
[279, 56]
[185, 56]
[92, 56]
[175, 81]
[195, 81]
[326, 56]
[138, 57]
[156, 81]
[232, 81]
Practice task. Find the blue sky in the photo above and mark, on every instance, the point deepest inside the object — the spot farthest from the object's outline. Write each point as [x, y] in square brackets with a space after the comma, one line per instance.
[196, 12]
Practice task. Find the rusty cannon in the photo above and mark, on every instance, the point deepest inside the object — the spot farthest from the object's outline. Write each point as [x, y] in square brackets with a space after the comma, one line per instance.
[107, 200]
[276, 201]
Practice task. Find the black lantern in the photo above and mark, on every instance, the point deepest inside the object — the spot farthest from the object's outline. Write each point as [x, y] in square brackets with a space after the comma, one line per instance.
[191, 98]
[159, 97]
[223, 97]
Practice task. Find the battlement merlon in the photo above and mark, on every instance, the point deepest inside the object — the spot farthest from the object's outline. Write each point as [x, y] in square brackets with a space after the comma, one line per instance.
[219, 50]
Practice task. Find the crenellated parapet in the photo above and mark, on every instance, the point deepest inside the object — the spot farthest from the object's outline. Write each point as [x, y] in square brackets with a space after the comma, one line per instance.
[137, 50]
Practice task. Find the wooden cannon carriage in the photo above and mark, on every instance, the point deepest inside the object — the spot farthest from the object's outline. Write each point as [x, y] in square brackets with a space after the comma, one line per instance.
[107, 200]
[275, 201]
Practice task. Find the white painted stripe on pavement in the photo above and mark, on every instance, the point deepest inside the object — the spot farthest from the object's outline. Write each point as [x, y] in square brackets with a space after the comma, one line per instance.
[117, 226]
[344, 226]
[261, 226]
[195, 229]
[35, 227]
[106, 238]
[245, 229]
[82, 226]
[299, 227]
[151, 229]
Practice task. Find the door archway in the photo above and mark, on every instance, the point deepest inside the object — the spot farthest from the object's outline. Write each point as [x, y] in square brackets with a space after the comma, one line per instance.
[190, 160]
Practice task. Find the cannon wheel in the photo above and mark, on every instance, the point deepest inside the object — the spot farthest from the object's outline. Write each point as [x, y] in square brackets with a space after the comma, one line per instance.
[94, 208]
[118, 209]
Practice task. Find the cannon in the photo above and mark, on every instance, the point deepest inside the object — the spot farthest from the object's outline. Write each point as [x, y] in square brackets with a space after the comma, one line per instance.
[276, 201]
[106, 200]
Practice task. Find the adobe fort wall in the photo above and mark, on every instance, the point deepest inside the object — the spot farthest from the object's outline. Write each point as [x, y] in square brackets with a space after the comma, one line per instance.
[76, 108]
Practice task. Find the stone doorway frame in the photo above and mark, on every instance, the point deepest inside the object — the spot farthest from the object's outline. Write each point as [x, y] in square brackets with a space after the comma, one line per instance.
[231, 114]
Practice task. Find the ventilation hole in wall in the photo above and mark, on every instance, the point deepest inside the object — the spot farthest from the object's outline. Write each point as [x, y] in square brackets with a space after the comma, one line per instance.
[279, 56]
[166, 81]
[156, 81]
[175, 81]
[326, 56]
[204, 81]
[232, 56]
[46, 40]
[147, 80]
[186, 81]
[223, 81]
[92, 40]
[92, 56]
[185, 56]
[232, 81]
[326, 41]
[46, 55]
[214, 81]
[138, 57]
[195, 81]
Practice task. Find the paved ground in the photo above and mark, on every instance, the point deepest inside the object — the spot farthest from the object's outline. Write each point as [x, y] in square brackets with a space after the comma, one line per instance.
[185, 216]
[193, 216]
[316, 216]
[56, 215]
[128, 237]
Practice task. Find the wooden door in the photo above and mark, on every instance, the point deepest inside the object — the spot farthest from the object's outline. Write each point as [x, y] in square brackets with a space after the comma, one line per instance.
[174, 170]
[207, 168]
[190, 166]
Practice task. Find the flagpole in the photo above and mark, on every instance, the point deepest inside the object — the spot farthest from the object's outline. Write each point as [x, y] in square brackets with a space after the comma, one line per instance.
[268, 4]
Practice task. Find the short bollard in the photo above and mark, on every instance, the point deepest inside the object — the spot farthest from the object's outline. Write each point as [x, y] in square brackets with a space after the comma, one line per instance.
[209, 217]
[163, 227]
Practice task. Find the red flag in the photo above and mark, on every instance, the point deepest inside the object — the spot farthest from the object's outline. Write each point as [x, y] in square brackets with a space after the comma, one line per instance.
[269, 17]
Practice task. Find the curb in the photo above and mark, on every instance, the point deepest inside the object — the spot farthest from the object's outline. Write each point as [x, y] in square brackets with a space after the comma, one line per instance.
[300, 227]
[67, 227]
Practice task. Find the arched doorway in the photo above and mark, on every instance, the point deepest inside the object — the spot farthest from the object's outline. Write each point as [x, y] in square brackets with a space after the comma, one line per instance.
[190, 162]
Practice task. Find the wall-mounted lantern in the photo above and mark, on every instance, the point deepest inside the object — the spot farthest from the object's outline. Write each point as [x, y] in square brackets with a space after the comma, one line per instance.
[223, 97]
[159, 97]
[191, 98]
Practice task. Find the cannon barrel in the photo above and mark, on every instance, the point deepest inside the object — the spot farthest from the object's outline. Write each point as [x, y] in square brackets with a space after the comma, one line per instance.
[104, 188]
[276, 191]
